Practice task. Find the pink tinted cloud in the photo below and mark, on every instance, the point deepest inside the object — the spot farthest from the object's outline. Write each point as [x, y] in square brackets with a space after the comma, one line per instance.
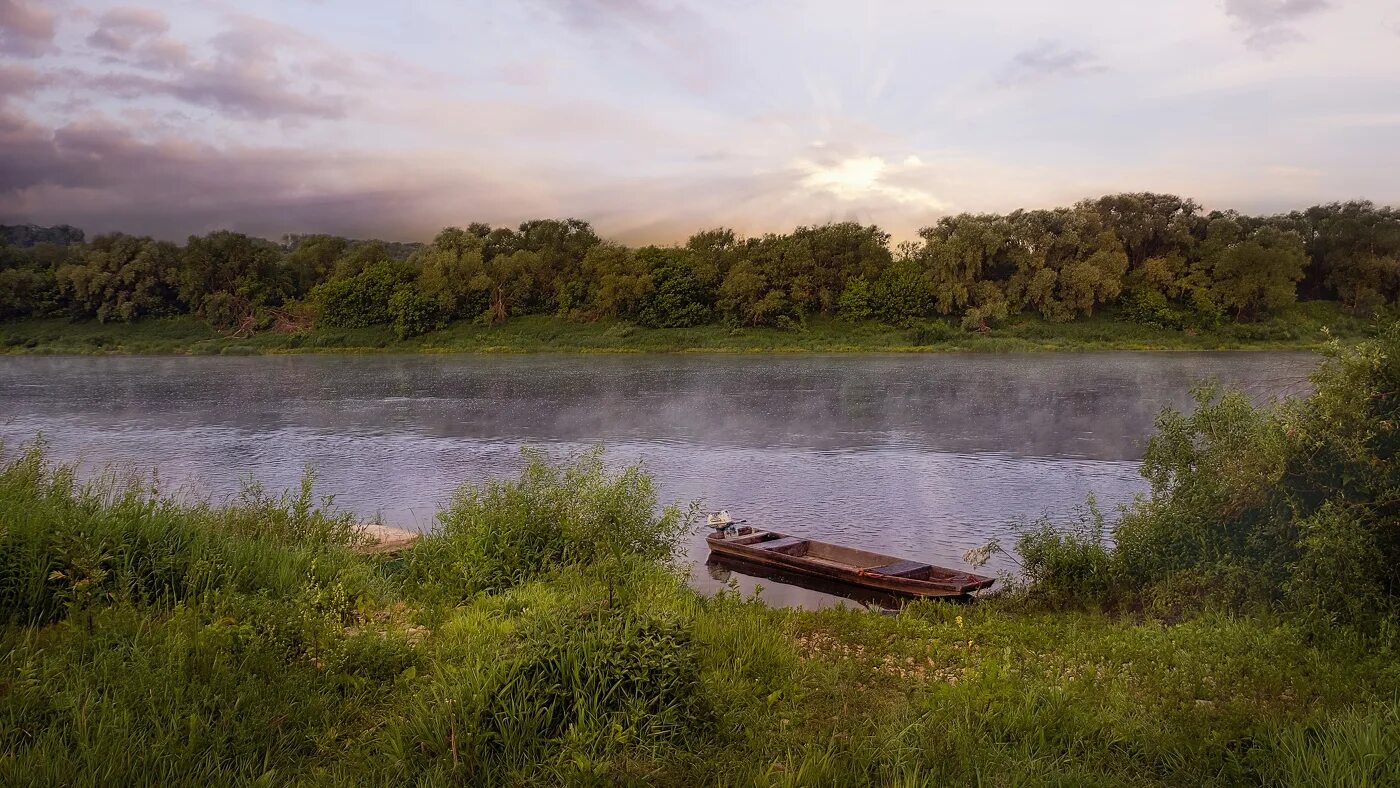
[26, 28]
[138, 36]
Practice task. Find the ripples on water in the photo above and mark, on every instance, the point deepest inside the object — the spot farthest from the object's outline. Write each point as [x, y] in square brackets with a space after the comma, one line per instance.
[924, 455]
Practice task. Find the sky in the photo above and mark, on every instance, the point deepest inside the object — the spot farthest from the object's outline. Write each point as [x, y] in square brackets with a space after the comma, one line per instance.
[656, 118]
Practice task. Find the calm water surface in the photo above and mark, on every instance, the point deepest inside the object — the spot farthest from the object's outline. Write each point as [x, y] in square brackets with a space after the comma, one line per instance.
[921, 455]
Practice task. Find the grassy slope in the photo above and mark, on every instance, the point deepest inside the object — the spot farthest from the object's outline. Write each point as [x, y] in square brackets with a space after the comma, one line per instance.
[936, 695]
[166, 644]
[1302, 327]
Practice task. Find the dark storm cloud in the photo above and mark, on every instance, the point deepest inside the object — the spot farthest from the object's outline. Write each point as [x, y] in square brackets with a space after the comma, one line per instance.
[29, 156]
[25, 28]
[138, 36]
[1049, 59]
[1269, 23]
[254, 69]
[103, 177]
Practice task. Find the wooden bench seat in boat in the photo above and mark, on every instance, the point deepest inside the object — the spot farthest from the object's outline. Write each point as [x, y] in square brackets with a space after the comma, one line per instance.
[901, 569]
[784, 545]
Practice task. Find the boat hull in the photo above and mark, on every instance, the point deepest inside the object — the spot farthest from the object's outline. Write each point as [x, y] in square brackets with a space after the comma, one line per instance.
[846, 566]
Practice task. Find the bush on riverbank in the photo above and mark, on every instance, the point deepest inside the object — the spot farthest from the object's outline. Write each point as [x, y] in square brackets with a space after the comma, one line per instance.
[1293, 506]
[492, 537]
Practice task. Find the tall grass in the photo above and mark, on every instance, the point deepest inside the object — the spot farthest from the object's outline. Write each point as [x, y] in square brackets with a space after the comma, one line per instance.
[541, 637]
[491, 537]
[1305, 325]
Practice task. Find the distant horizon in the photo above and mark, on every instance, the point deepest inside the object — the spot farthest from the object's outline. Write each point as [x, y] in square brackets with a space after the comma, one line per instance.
[602, 233]
[654, 117]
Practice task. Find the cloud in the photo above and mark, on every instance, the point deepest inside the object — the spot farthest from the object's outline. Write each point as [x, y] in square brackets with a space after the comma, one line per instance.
[237, 91]
[1270, 23]
[255, 69]
[25, 30]
[18, 81]
[104, 176]
[138, 36]
[671, 36]
[1048, 59]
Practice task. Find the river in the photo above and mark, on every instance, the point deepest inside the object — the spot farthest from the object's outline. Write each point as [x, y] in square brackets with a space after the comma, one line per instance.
[920, 455]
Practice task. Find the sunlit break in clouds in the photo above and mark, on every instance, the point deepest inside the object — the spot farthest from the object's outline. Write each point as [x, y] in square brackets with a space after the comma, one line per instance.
[654, 118]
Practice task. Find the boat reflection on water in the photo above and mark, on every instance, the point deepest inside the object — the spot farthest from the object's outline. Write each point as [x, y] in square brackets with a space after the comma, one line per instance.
[823, 593]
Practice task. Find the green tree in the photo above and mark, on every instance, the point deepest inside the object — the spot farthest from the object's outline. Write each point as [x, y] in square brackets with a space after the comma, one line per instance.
[618, 283]
[1098, 279]
[561, 246]
[1353, 250]
[714, 252]
[27, 285]
[312, 259]
[414, 313]
[1253, 272]
[902, 293]
[986, 304]
[1149, 225]
[514, 283]
[959, 252]
[363, 299]
[453, 273]
[855, 301]
[121, 277]
[749, 297]
[247, 271]
[771, 281]
[839, 252]
[677, 299]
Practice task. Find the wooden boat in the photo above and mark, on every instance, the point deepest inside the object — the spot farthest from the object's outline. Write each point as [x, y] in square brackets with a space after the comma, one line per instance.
[720, 567]
[845, 565]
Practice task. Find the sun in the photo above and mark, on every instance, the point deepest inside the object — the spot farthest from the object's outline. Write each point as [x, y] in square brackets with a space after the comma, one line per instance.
[858, 178]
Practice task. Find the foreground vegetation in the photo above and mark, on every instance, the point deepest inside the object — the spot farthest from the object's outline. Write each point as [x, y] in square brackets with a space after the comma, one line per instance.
[1242, 631]
[1307, 325]
[1155, 261]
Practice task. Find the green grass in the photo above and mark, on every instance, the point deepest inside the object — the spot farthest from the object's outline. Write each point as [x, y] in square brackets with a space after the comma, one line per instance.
[150, 641]
[1300, 327]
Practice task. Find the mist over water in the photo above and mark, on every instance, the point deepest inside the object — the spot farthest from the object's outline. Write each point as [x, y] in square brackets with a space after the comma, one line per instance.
[920, 455]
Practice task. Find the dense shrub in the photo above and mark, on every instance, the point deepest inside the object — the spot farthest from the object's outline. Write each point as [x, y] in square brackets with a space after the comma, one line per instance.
[493, 536]
[626, 673]
[678, 299]
[414, 313]
[1069, 563]
[362, 299]
[855, 301]
[1294, 505]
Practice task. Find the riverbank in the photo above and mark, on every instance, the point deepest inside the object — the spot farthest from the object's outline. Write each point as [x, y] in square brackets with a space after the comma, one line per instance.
[148, 641]
[1304, 326]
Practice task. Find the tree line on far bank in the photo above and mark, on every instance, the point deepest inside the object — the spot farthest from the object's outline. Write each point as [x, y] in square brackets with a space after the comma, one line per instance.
[1159, 259]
